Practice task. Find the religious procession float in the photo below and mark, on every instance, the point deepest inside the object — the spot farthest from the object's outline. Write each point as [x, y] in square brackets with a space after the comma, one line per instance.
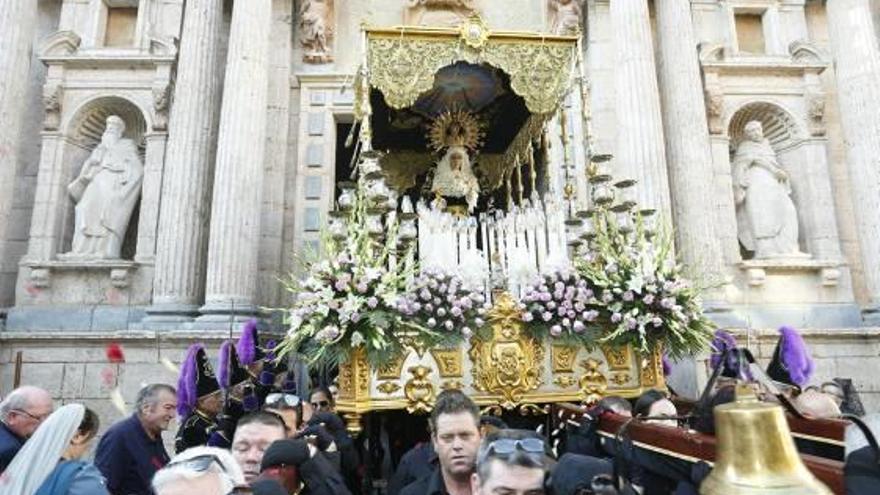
[470, 251]
[483, 243]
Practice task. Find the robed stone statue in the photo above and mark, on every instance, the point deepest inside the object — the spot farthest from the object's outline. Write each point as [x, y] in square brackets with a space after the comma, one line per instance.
[106, 191]
[766, 216]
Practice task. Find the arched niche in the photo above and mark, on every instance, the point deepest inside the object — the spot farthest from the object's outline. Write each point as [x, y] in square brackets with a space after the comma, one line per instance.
[83, 133]
[786, 137]
[780, 127]
[804, 159]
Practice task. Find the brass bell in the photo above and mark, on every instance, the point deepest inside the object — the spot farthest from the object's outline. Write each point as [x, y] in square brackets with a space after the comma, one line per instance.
[756, 453]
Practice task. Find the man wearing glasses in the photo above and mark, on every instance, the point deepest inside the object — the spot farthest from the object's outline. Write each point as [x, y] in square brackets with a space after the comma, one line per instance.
[23, 410]
[512, 462]
[455, 427]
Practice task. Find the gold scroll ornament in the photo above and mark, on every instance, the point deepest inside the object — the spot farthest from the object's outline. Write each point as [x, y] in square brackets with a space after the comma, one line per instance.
[510, 364]
[419, 390]
[593, 383]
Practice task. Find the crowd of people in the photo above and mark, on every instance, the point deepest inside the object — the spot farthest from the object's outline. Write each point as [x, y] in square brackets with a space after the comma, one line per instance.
[244, 429]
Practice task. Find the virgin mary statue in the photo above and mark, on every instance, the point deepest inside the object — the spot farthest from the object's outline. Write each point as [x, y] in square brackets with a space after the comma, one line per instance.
[454, 179]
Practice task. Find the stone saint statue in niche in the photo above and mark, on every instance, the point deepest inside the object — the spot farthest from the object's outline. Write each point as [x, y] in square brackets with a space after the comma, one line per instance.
[766, 216]
[565, 16]
[315, 21]
[456, 132]
[105, 192]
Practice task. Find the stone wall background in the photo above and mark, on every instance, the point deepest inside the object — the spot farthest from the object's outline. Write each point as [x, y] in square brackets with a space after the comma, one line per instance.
[72, 366]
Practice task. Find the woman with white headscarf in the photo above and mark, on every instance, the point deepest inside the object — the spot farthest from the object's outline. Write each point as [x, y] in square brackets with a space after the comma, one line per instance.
[49, 464]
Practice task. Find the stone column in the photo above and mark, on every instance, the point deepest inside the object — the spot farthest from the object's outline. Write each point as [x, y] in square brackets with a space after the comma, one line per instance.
[181, 245]
[18, 20]
[241, 143]
[639, 152]
[687, 139]
[857, 66]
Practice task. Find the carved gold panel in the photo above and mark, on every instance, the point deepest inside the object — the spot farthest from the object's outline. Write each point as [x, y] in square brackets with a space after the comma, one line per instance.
[619, 358]
[652, 370]
[562, 358]
[448, 362]
[392, 369]
[509, 365]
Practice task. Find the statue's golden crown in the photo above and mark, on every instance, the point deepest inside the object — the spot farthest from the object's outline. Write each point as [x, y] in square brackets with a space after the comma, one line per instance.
[456, 128]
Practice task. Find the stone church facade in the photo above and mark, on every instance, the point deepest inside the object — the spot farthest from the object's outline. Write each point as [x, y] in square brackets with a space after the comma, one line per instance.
[239, 110]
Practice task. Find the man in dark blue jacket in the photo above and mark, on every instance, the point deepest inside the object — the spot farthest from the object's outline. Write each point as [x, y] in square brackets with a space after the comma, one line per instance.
[131, 451]
[23, 410]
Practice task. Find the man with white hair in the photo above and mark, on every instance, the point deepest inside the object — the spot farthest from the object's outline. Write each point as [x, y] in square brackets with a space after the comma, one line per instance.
[199, 470]
[23, 410]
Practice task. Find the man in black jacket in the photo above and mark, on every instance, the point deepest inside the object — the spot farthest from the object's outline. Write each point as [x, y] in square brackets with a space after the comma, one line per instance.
[455, 433]
[296, 464]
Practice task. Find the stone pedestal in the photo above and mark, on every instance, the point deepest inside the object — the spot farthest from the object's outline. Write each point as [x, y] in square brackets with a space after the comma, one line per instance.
[185, 207]
[857, 66]
[238, 179]
[639, 152]
[687, 139]
[18, 19]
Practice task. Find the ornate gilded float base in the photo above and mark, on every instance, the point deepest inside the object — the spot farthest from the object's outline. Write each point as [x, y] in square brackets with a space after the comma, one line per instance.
[507, 372]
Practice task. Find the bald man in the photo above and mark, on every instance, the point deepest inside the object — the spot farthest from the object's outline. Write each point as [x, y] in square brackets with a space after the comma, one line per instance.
[23, 410]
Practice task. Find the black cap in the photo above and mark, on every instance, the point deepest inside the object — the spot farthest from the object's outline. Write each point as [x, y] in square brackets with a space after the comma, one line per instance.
[206, 381]
[574, 472]
[490, 420]
[267, 487]
[289, 452]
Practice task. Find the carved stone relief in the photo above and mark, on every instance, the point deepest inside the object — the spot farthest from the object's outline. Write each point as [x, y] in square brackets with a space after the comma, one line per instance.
[161, 104]
[438, 12]
[316, 30]
[52, 96]
[564, 16]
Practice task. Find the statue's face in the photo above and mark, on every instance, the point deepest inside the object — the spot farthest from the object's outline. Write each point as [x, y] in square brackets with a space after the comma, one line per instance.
[754, 132]
[455, 161]
[113, 132]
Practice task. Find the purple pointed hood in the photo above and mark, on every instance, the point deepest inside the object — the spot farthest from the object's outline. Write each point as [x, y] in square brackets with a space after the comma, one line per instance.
[196, 379]
[247, 343]
[795, 356]
[229, 369]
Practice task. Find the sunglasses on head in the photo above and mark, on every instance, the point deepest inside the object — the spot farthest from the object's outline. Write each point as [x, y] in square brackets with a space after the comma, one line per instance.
[505, 446]
[280, 399]
[201, 463]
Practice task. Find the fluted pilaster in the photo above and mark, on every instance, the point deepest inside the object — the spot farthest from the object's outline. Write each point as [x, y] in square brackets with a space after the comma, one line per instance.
[241, 144]
[857, 67]
[688, 151]
[181, 247]
[639, 152]
[17, 25]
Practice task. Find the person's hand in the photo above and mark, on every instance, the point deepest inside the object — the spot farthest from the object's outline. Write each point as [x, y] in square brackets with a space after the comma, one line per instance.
[322, 438]
[781, 175]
